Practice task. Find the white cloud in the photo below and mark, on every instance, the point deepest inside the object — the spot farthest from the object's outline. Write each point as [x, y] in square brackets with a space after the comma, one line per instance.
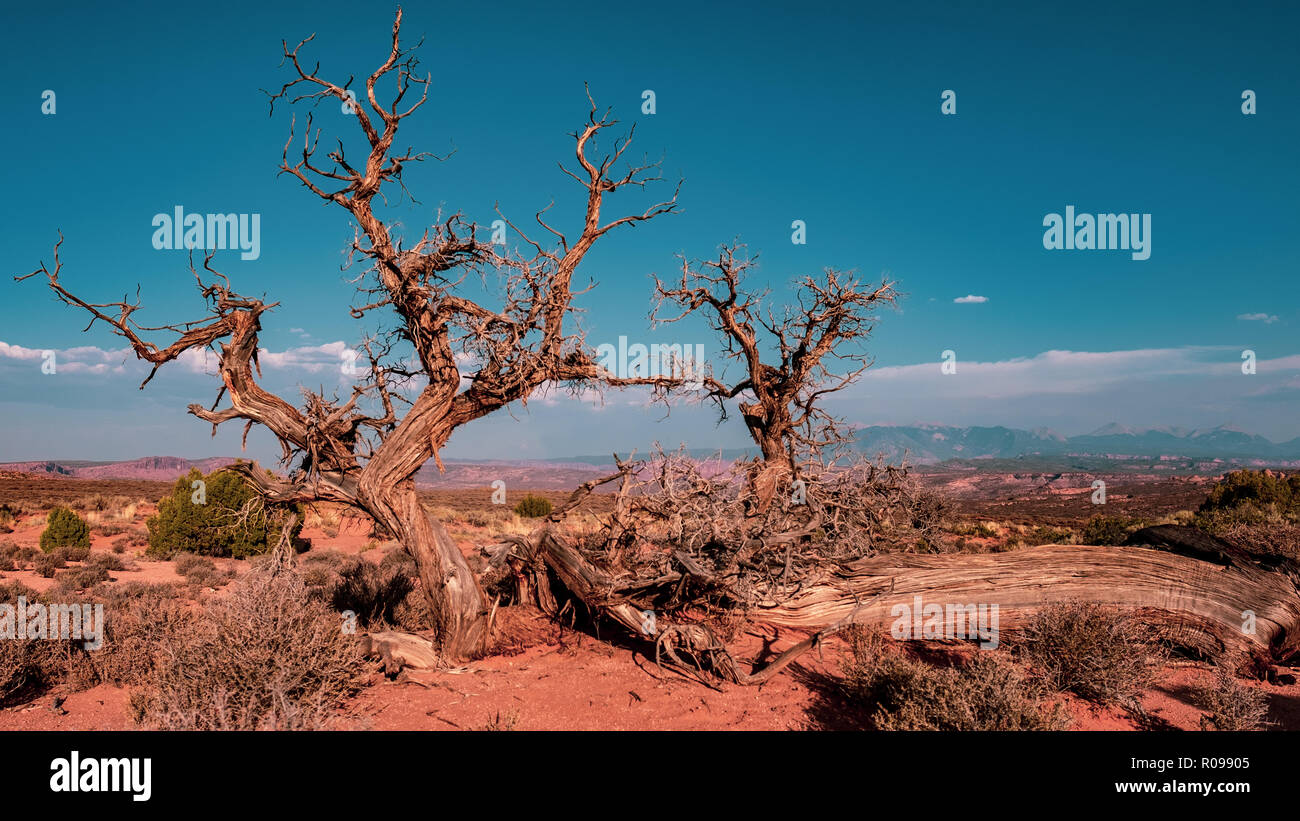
[18, 352]
[1067, 372]
[1267, 319]
[202, 361]
[969, 298]
[309, 358]
[80, 359]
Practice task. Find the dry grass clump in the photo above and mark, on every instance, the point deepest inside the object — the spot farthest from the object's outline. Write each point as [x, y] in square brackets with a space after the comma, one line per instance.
[140, 619]
[135, 537]
[13, 557]
[30, 665]
[45, 564]
[989, 692]
[108, 561]
[1265, 538]
[325, 517]
[80, 578]
[379, 595]
[201, 571]
[1086, 649]
[1232, 706]
[267, 656]
[501, 723]
[73, 553]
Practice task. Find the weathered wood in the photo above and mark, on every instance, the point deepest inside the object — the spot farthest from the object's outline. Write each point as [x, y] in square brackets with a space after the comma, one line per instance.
[398, 649]
[1198, 604]
[1195, 604]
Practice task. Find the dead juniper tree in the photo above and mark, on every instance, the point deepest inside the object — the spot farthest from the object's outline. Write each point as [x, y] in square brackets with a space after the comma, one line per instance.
[363, 451]
[779, 401]
[790, 359]
[683, 541]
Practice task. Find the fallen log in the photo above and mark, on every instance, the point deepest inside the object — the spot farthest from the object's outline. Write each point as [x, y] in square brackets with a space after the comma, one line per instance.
[1195, 604]
[1200, 606]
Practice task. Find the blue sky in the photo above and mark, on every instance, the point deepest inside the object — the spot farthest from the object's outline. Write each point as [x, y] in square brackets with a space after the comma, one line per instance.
[770, 113]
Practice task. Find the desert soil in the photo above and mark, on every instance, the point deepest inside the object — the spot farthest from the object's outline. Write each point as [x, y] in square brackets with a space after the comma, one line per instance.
[546, 676]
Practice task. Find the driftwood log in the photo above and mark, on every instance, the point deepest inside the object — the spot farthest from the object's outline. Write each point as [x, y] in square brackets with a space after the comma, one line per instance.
[1198, 605]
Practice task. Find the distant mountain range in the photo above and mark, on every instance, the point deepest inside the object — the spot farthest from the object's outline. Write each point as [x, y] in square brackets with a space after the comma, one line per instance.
[933, 444]
[919, 444]
[930, 444]
[161, 468]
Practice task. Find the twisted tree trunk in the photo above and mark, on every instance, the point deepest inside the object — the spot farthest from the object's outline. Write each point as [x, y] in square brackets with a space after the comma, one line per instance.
[386, 491]
[458, 602]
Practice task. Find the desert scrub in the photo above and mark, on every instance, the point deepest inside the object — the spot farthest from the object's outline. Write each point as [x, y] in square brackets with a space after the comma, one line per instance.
[64, 528]
[30, 665]
[46, 563]
[1251, 500]
[73, 553]
[533, 507]
[266, 656]
[989, 692]
[201, 571]
[1108, 530]
[220, 517]
[81, 578]
[1086, 649]
[1271, 539]
[13, 557]
[1044, 534]
[1258, 488]
[372, 593]
[378, 595]
[109, 561]
[1231, 705]
[140, 619]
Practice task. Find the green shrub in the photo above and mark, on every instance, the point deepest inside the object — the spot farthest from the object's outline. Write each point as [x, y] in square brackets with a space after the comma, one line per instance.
[63, 527]
[1261, 488]
[533, 507]
[1085, 649]
[1251, 506]
[1107, 530]
[219, 526]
